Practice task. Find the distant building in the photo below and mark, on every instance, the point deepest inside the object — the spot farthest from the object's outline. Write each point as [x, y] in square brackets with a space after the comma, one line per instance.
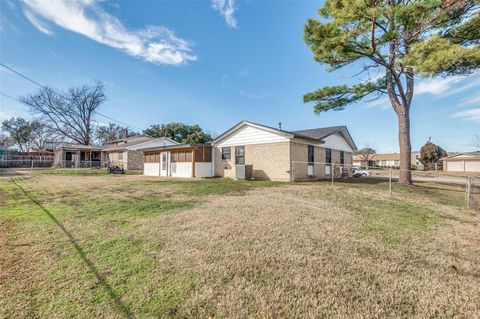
[387, 160]
[462, 162]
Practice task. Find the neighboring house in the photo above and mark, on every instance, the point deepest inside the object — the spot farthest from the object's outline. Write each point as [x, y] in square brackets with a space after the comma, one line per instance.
[393, 160]
[75, 155]
[250, 150]
[462, 162]
[359, 160]
[123, 152]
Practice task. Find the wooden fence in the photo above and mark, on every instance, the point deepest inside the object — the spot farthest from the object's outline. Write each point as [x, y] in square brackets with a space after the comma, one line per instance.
[25, 161]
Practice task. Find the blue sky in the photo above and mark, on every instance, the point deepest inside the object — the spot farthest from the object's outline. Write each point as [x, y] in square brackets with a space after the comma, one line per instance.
[211, 63]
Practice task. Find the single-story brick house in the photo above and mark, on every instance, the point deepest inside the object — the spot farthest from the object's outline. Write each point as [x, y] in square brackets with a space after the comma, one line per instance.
[462, 162]
[250, 150]
[273, 154]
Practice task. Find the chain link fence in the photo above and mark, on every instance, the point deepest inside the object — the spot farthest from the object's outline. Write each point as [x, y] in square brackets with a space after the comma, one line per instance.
[386, 178]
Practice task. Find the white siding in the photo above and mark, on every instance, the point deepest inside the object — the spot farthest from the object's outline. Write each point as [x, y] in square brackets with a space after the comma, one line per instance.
[203, 170]
[151, 169]
[337, 142]
[249, 135]
[181, 169]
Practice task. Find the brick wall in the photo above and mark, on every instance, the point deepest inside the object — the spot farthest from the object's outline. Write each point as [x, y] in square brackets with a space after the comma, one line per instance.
[269, 161]
[135, 159]
[224, 168]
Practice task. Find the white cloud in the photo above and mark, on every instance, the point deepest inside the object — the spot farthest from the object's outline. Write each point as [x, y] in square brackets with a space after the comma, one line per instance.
[472, 100]
[471, 114]
[226, 8]
[36, 23]
[447, 86]
[436, 86]
[154, 44]
[382, 103]
[254, 96]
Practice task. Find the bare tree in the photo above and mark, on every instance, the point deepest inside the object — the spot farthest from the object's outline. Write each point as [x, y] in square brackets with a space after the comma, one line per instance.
[112, 132]
[476, 142]
[42, 137]
[69, 113]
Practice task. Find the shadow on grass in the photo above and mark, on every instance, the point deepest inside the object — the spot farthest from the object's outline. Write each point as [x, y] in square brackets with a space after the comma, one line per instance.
[103, 282]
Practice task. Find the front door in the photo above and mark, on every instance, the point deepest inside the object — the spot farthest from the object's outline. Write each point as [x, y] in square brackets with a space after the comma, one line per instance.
[164, 164]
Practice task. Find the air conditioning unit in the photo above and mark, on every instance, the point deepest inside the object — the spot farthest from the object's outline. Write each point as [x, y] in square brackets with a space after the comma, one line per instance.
[243, 172]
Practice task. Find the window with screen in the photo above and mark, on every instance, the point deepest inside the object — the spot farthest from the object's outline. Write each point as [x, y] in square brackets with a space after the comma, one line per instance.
[226, 153]
[342, 157]
[328, 156]
[120, 156]
[240, 155]
[152, 158]
[311, 154]
[203, 154]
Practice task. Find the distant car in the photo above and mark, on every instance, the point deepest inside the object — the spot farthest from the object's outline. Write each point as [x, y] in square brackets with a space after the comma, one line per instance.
[361, 172]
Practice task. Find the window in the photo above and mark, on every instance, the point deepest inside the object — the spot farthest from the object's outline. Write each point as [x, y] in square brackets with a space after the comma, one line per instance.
[342, 157]
[164, 161]
[181, 156]
[152, 158]
[311, 154]
[226, 153]
[203, 154]
[240, 155]
[328, 156]
[120, 156]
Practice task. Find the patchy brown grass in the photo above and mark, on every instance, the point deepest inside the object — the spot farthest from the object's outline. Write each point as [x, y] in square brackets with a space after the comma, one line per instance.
[133, 246]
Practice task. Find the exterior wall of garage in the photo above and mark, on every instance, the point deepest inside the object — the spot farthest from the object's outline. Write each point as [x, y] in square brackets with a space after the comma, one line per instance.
[462, 165]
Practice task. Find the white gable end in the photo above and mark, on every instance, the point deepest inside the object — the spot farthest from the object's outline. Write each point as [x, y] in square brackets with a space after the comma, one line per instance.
[337, 142]
[249, 135]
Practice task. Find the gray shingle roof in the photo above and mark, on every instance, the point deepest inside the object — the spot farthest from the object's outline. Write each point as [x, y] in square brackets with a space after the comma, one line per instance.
[152, 144]
[321, 132]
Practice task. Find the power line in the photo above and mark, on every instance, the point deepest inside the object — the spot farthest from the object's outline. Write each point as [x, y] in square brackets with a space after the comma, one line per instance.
[45, 87]
[21, 75]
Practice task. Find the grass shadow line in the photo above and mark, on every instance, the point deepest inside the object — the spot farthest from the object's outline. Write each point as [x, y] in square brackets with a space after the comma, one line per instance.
[103, 282]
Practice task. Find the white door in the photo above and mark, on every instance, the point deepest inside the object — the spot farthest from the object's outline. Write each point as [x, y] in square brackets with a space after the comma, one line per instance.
[164, 164]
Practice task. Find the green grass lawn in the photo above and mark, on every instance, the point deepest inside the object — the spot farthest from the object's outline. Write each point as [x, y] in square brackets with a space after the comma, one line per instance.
[126, 246]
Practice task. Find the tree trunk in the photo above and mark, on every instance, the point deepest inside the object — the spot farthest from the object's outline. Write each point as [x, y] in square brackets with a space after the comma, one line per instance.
[405, 176]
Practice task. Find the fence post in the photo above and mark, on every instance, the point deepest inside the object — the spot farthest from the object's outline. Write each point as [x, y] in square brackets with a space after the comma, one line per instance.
[332, 171]
[468, 192]
[390, 182]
